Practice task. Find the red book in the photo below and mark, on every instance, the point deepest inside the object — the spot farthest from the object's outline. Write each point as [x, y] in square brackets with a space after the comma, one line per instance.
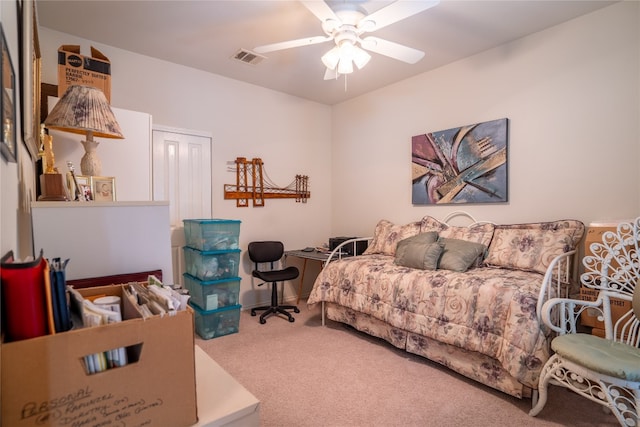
[24, 303]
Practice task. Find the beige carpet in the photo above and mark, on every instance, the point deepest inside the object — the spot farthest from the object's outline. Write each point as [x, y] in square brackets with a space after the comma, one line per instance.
[305, 374]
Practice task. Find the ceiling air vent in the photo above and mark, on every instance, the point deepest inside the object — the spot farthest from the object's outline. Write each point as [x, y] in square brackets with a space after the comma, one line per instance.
[248, 57]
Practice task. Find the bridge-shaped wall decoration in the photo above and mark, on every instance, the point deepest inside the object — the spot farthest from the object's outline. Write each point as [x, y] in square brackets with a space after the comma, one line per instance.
[261, 187]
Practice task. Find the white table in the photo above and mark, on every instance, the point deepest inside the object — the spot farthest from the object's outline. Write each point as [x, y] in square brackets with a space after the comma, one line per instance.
[222, 401]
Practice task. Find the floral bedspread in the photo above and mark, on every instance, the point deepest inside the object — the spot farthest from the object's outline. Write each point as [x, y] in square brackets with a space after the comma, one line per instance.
[488, 310]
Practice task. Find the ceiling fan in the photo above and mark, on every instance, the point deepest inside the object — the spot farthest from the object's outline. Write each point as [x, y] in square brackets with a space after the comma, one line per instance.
[345, 22]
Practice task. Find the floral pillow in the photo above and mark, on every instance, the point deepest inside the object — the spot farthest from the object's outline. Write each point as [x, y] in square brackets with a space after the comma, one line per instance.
[387, 235]
[532, 247]
[481, 232]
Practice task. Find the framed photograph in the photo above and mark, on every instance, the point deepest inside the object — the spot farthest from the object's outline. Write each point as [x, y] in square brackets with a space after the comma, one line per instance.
[31, 76]
[103, 188]
[7, 103]
[84, 187]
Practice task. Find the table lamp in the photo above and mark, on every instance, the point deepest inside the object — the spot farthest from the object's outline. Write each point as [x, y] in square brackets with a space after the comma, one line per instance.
[85, 110]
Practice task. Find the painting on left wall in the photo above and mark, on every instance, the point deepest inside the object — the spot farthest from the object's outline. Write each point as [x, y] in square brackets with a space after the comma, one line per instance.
[467, 164]
[7, 103]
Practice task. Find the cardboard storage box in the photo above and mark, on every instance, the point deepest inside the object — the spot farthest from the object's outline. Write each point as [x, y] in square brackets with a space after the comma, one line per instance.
[44, 380]
[76, 69]
[594, 235]
[589, 317]
[600, 333]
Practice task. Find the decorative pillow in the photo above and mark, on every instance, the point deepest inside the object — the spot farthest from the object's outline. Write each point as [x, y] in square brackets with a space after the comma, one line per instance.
[478, 232]
[459, 255]
[532, 247]
[429, 223]
[418, 254]
[428, 237]
[387, 235]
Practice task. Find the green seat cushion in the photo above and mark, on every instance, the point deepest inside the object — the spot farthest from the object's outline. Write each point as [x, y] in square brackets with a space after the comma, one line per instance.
[604, 356]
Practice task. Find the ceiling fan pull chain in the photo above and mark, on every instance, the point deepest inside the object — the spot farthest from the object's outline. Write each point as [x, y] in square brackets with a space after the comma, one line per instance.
[345, 82]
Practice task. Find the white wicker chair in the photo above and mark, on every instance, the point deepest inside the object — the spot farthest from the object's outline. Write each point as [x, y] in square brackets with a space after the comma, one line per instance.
[604, 370]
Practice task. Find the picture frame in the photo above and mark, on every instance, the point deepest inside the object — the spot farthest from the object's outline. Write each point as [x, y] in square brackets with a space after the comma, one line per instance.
[84, 185]
[31, 72]
[8, 138]
[462, 165]
[103, 188]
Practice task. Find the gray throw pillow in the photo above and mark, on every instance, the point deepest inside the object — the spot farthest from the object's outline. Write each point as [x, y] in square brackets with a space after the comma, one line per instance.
[428, 237]
[459, 255]
[418, 253]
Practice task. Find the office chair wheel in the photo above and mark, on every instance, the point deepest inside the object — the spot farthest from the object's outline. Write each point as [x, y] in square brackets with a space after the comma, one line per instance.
[263, 321]
[292, 319]
[253, 313]
[296, 310]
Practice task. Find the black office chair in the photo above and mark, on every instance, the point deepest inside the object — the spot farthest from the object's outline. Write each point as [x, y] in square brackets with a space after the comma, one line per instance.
[270, 252]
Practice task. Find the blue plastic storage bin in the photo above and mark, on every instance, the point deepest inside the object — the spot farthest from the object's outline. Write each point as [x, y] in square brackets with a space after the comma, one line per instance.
[213, 294]
[211, 265]
[212, 234]
[216, 323]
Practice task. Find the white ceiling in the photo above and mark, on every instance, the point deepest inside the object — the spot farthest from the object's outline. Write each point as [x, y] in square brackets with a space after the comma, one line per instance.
[206, 34]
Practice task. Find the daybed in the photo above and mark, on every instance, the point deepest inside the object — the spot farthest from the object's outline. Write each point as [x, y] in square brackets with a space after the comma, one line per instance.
[466, 297]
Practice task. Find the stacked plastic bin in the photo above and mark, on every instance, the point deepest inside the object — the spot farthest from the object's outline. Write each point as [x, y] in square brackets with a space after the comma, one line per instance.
[212, 258]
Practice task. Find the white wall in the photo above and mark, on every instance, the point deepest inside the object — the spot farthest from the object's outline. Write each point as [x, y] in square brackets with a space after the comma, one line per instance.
[572, 95]
[291, 135]
[17, 180]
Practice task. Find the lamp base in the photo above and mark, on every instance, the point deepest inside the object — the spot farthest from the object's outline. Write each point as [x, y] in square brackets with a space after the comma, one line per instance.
[90, 164]
[52, 188]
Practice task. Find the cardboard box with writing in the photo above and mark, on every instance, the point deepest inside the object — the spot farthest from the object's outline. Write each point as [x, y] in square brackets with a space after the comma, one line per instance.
[589, 317]
[44, 382]
[594, 234]
[77, 69]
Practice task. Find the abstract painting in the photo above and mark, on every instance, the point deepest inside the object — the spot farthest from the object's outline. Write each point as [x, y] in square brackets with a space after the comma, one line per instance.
[467, 164]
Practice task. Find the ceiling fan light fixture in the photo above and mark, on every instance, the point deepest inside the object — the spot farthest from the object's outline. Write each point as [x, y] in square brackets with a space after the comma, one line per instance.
[360, 58]
[331, 58]
[345, 66]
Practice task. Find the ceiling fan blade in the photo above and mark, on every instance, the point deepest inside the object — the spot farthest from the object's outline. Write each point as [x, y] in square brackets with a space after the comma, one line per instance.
[291, 43]
[392, 50]
[320, 9]
[395, 12]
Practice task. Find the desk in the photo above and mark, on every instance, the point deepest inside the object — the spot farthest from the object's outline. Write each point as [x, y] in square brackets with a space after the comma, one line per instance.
[314, 256]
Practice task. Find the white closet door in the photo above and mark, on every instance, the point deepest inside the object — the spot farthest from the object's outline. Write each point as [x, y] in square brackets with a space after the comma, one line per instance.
[182, 175]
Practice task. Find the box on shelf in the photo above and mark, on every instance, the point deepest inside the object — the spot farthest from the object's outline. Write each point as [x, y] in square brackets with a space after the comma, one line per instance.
[213, 294]
[212, 234]
[46, 383]
[217, 323]
[589, 317]
[211, 265]
[76, 69]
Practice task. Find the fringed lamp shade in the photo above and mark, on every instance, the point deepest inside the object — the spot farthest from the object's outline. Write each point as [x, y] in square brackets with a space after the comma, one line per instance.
[85, 110]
